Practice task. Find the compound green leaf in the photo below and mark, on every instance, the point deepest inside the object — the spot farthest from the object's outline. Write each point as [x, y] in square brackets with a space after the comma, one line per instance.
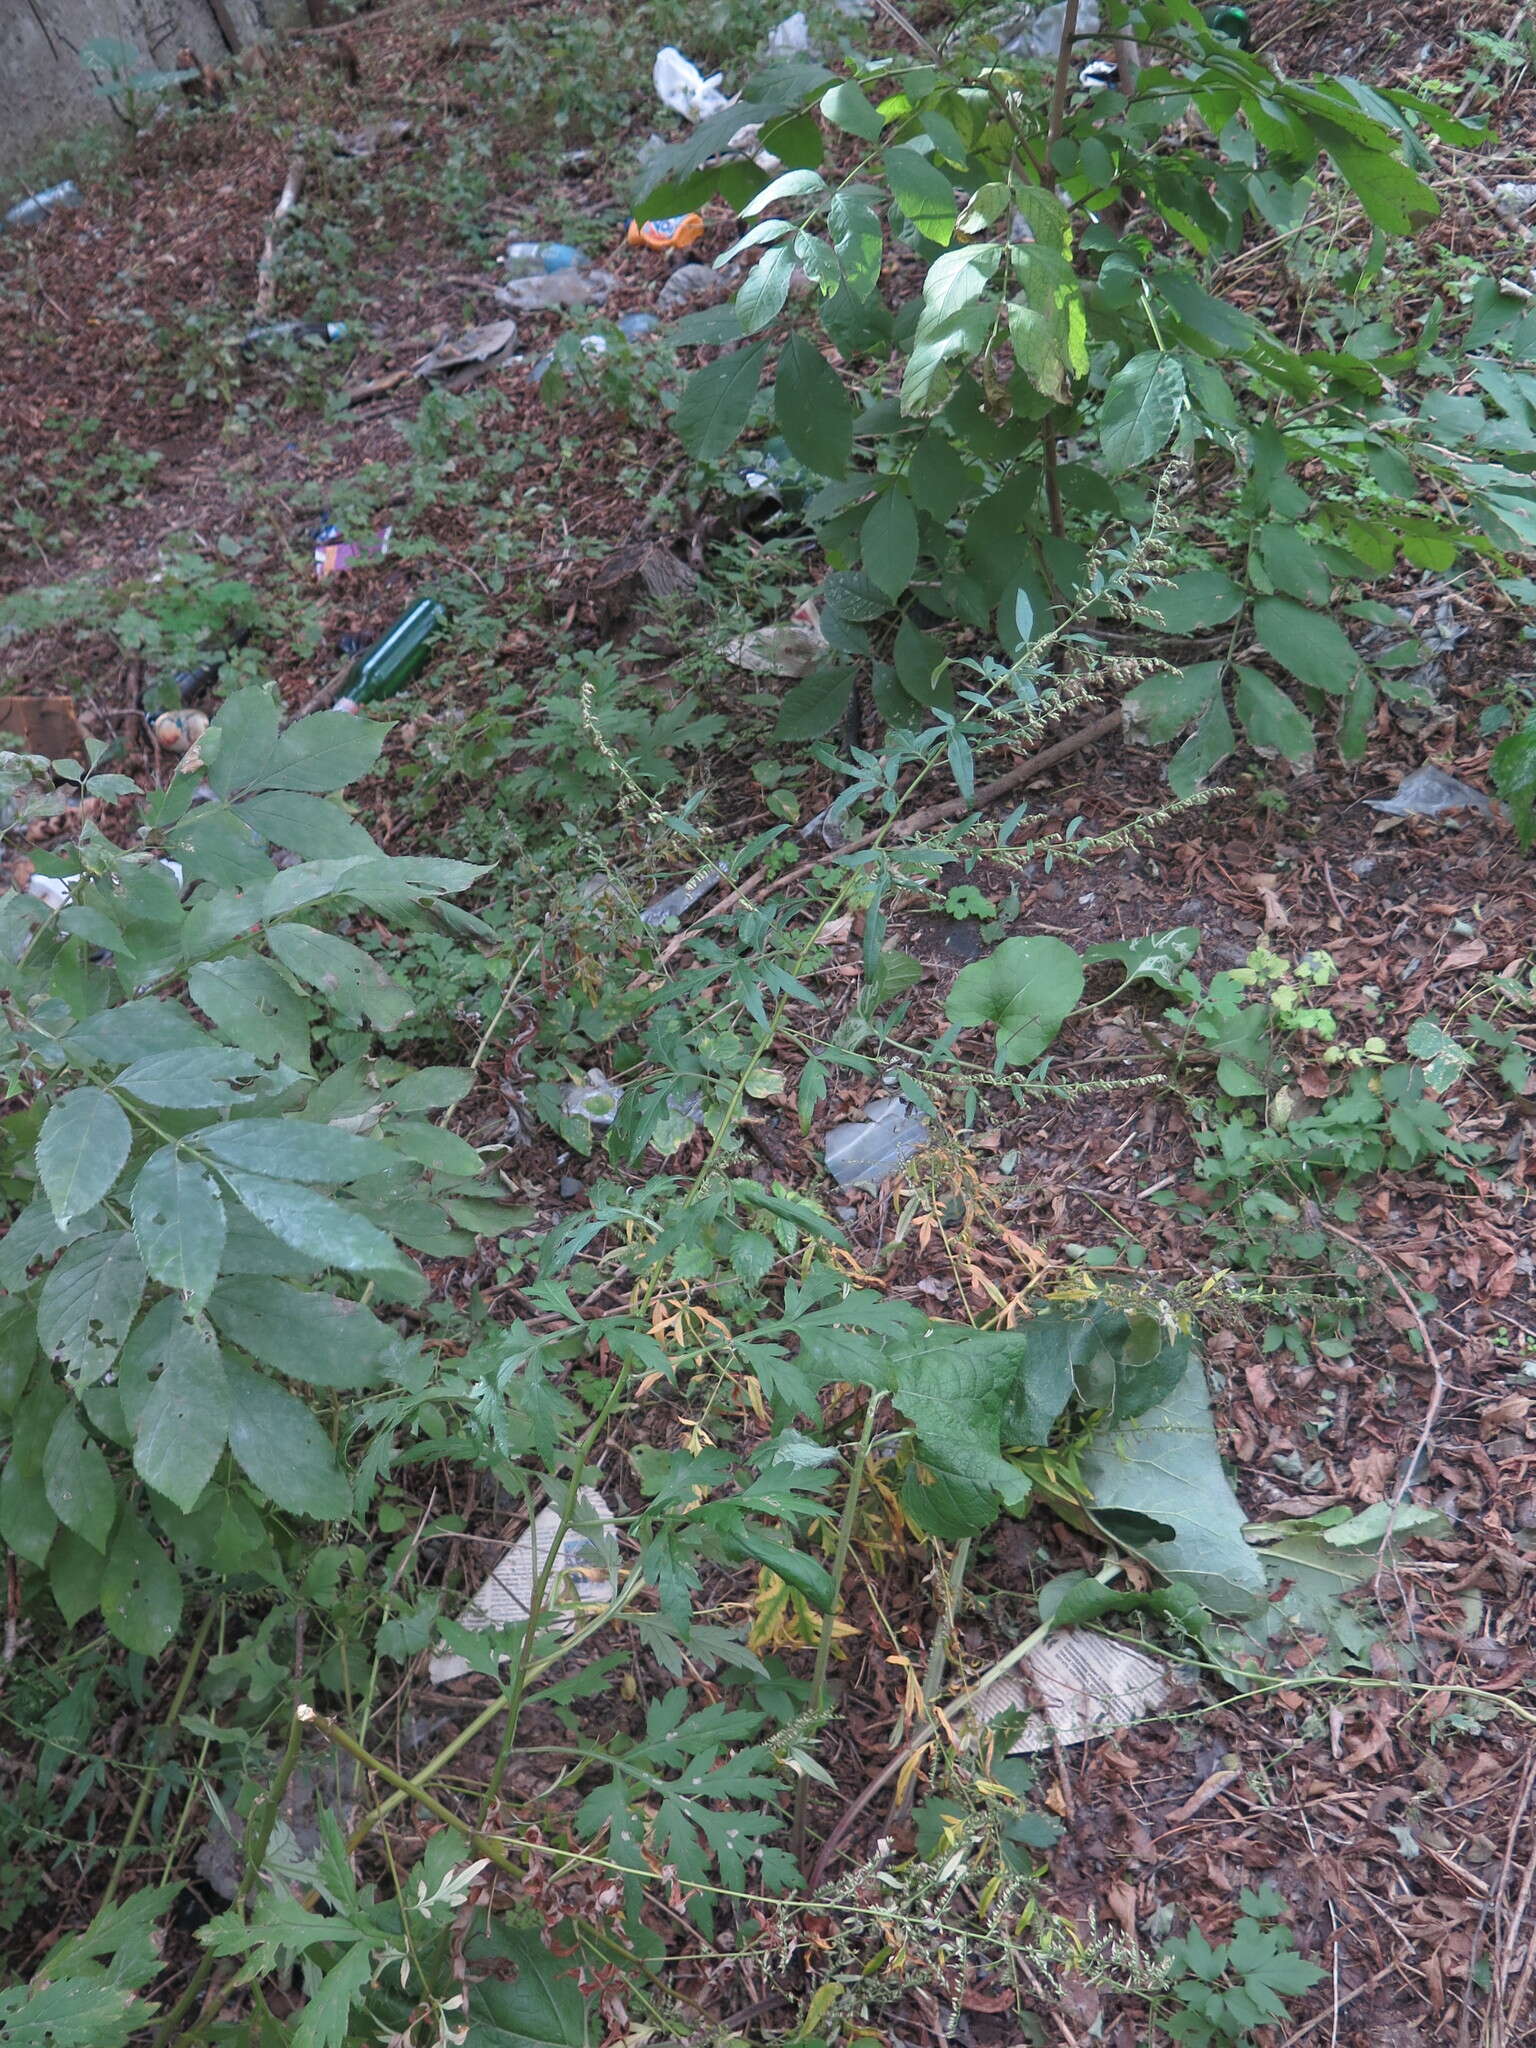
[282, 1450]
[717, 401]
[183, 1424]
[77, 1482]
[320, 1338]
[88, 1303]
[178, 1222]
[1270, 719]
[889, 542]
[1141, 410]
[312, 1223]
[288, 1148]
[923, 193]
[847, 108]
[353, 982]
[84, 1142]
[1314, 648]
[140, 1590]
[812, 408]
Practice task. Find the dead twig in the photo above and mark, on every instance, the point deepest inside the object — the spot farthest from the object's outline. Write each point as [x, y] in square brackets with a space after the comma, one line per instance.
[266, 270]
[920, 821]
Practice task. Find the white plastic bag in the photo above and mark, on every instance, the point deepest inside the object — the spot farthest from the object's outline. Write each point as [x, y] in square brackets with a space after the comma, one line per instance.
[682, 87]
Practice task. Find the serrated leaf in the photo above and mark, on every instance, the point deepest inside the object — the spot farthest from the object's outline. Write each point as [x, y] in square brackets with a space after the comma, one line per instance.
[812, 409]
[84, 1143]
[1194, 601]
[254, 1007]
[847, 108]
[321, 1338]
[923, 193]
[1140, 411]
[178, 1222]
[140, 1590]
[288, 1148]
[1271, 721]
[88, 1303]
[889, 542]
[353, 982]
[1313, 647]
[1027, 988]
[282, 1450]
[323, 753]
[203, 1079]
[316, 1224]
[814, 705]
[717, 402]
[184, 1421]
[764, 289]
[77, 1482]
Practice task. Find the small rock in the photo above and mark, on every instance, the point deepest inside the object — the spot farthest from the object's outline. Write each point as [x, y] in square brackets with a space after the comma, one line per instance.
[570, 1188]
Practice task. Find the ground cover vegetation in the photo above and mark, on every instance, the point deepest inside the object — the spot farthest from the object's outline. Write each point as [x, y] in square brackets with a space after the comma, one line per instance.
[503, 1543]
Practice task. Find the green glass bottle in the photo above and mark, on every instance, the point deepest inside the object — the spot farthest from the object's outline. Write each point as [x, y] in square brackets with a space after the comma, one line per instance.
[397, 658]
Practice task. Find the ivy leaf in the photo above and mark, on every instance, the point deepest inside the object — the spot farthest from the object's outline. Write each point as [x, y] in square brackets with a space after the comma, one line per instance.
[184, 1422]
[1156, 958]
[84, 1142]
[1027, 988]
[178, 1222]
[1312, 646]
[889, 542]
[812, 409]
[282, 1449]
[140, 1590]
[923, 193]
[717, 402]
[1141, 410]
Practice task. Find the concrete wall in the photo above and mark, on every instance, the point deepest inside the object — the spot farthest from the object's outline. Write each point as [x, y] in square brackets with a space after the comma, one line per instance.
[46, 94]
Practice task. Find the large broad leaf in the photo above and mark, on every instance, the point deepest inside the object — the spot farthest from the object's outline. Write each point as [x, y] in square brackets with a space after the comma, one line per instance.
[889, 542]
[1271, 720]
[812, 409]
[1159, 709]
[1191, 603]
[88, 1303]
[178, 1222]
[923, 193]
[77, 1482]
[541, 2007]
[140, 1590]
[84, 1142]
[351, 981]
[291, 1149]
[281, 1448]
[956, 1385]
[1027, 988]
[315, 1337]
[1156, 1485]
[717, 402]
[324, 753]
[1311, 645]
[1140, 410]
[331, 1234]
[184, 1421]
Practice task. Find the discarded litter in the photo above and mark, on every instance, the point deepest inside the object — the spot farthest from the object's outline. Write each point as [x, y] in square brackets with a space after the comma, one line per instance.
[1040, 37]
[679, 901]
[1079, 1685]
[693, 284]
[27, 213]
[178, 731]
[574, 1575]
[1428, 792]
[533, 259]
[789, 650]
[320, 332]
[589, 345]
[677, 231]
[633, 325]
[549, 290]
[57, 891]
[789, 38]
[681, 86]
[372, 137]
[397, 657]
[867, 1153]
[465, 358]
[334, 556]
[596, 1100]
